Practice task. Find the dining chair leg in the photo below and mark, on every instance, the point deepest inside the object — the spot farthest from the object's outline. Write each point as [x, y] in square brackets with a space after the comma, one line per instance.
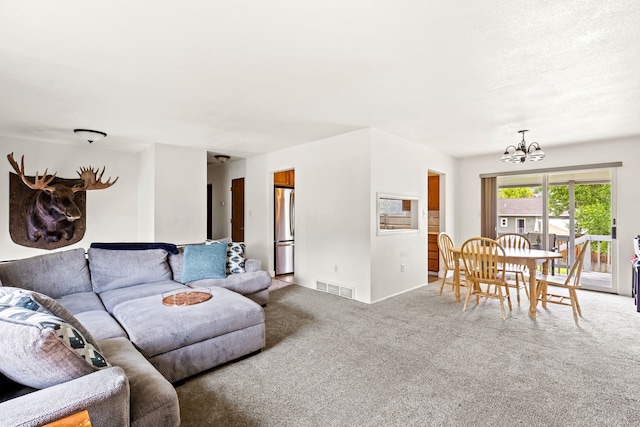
[524, 283]
[444, 279]
[466, 300]
[573, 305]
[542, 293]
[574, 300]
[508, 297]
[504, 314]
[517, 288]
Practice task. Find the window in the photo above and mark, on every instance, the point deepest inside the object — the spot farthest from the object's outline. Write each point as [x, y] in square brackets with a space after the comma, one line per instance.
[397, 213]
[520, 226]
[504, 222]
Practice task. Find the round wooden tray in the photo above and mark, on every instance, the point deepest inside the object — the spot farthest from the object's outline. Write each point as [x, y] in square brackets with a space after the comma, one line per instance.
[183, 298]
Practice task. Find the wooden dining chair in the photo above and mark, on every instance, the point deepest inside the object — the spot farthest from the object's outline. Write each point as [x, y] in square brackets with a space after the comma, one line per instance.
[571, 283]
[484, 260]
[451, 262]
[517, 241]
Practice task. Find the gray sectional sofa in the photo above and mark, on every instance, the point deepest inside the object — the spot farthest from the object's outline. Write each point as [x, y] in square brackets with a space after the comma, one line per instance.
[122, 347]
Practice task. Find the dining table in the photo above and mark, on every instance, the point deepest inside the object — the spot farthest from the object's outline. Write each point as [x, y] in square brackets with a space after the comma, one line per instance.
[528, 257]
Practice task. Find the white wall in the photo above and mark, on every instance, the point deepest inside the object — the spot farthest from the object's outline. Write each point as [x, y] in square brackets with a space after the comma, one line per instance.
[336, 183]
[628, 204]
[180, 202]
[220, 176]
[146, 194]
[398, 167]
[258, 197]
[111, 214]
[332, 209]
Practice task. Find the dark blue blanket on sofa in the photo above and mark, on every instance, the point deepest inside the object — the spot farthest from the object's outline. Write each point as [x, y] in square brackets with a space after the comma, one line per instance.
[135, 246]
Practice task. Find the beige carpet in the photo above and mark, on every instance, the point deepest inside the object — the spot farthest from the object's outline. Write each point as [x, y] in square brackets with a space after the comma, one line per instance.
[417, 359]
[277, 284]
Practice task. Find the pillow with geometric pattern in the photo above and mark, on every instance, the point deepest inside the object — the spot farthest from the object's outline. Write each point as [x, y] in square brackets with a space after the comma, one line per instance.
[235, 258]
[40, 302]
[41, 350]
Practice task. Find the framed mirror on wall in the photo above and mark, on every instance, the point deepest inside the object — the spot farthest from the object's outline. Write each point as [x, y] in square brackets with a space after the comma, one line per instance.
[397, 213]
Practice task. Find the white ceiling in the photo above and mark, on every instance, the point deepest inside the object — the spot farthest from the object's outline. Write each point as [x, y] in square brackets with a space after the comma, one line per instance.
[249, 77]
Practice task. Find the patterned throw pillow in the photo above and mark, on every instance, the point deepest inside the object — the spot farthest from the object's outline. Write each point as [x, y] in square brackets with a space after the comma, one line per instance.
[235, 258]
[204, 262]
[41, 350]
[42, 303]
[18, 298]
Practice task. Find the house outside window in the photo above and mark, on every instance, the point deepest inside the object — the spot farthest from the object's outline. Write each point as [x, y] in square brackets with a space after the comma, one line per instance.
[520, 226]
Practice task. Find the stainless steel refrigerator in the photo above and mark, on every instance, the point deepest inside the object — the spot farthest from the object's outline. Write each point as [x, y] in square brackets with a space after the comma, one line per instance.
[284, 229]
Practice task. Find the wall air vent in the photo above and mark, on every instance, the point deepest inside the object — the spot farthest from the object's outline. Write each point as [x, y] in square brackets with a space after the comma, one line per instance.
[335, 289]
[346, 292]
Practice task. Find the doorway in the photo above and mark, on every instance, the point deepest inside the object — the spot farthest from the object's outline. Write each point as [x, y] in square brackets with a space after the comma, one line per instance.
[434, 182]
[209, 211]
[237, 210]
[284, 222]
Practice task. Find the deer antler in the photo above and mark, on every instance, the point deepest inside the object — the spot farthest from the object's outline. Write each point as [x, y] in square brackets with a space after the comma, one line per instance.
[92, 181]
[39, 183]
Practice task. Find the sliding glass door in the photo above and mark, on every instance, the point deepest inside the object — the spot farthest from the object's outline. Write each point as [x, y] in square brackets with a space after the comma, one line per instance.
[580, 212]
[560, 210]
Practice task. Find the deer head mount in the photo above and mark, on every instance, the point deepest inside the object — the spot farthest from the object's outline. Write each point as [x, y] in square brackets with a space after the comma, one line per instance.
[51, 212]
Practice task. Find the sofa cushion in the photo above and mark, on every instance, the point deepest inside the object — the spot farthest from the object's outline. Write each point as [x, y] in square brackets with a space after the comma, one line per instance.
[235, 258]
[245, 284]
[204, 262]
[101, 325]
[54, 274]
[112, 269]
[175, 263]
[42, 303]
[154, 401]
[114, 297]
[81, 302]
[41, 350]
[180, 326]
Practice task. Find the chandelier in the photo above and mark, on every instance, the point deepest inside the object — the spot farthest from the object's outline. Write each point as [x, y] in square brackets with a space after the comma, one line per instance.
[520, 153]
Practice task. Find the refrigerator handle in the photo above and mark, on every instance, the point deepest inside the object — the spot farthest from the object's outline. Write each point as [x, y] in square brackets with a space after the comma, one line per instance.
[292, 215]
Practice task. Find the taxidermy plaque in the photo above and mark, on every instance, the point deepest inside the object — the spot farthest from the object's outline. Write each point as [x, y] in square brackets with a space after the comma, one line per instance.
[48, 212]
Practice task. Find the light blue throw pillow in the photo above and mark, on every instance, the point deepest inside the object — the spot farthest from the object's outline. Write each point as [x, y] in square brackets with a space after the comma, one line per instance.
[204, 262]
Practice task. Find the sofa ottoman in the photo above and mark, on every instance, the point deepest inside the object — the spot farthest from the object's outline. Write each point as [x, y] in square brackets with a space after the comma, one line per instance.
[181, 341]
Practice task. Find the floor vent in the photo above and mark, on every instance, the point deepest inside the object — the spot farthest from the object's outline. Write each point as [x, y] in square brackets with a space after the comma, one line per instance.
[346, 292]
[332, 288]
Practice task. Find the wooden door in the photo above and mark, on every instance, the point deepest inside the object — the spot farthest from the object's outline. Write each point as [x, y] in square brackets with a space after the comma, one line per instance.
[237, 210]
[433, 193]
[209, 211]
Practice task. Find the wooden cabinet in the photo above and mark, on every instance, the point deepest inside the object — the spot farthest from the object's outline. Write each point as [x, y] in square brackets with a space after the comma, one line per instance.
[433, 257]
[284, 178]
[433, 195]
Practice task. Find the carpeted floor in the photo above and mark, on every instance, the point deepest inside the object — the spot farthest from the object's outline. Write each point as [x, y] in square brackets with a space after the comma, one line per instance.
[417, 359]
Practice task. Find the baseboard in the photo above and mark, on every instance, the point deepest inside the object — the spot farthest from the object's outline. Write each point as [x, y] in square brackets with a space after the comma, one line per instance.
[400, 293]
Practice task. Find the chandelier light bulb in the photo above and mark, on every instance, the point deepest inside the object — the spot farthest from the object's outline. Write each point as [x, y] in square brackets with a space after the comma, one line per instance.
[522, 153]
